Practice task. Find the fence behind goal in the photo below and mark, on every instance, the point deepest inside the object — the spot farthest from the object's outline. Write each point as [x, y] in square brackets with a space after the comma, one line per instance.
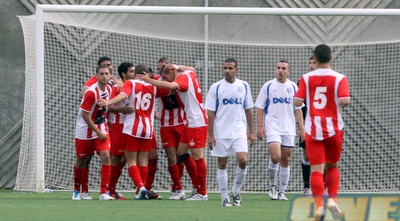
[74, 41]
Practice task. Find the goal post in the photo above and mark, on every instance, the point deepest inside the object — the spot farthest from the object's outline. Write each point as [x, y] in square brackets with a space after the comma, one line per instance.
[200, 51]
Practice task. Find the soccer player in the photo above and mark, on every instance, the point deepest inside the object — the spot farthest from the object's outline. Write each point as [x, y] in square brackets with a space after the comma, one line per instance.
[324, 91]
[92, 134]
[138, 126]
[171, 130]
[229, 106]
[117, 115]
[183, 80]
[305, 165]
[275, 102]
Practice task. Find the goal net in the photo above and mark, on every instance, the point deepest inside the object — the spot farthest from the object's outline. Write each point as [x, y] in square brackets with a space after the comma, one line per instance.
[366, 49]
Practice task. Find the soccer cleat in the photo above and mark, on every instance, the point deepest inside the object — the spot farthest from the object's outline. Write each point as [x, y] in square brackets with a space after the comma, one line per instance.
[237, 200]
[281, 196]
[86, 196]
[142, 195]
[272, 193]
[105, 197]
[151, 195]
[194, 192]
[177, 195]
[307, 192]
[226, 203]
[198, 197]
[319, 214]
[76, 195]
[333, 207]
[118, 196]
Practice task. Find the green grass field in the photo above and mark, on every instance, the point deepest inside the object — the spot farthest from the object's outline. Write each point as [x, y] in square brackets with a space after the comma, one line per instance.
[53, 206]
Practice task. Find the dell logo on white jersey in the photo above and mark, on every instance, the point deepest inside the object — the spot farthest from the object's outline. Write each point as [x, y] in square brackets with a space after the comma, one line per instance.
[281, 100]
[232, 101]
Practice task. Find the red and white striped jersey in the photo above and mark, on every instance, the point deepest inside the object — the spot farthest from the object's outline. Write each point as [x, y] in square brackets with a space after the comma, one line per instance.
[98, 114]
[322, 90]
[191, 99]
[141, 97]
[117, 118]
[172, 113]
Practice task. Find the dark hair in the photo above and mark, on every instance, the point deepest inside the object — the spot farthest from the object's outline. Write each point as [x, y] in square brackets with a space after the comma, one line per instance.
[323, 53]
[102, 66]
[140, 68]
[285, 61]
[231, 60]
[104, 58]
[150, 70]
[311, 58]
[165, 60]
[123, 68]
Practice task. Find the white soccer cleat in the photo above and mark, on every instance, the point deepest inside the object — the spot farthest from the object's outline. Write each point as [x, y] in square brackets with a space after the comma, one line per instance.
[105, 197]
[198, 197]
[86, 196]
[334, 209]
[76, 195]
[177, 195]
[226, 203]
[237, 200]
[272, 193]
[307, 192]
[142, 195]
[281, 196]
[319, 214]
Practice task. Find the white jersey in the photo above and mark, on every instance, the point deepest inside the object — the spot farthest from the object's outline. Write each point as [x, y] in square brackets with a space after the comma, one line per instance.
[229, 101]
[277, 101]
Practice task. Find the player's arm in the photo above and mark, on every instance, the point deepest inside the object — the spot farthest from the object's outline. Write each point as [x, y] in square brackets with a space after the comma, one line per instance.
[211, 138]
[125, 109]
[298, 102]
[87, 118]
[299, 117]
[83, 91]
[260, 127]
[103, 103]
[250, 124]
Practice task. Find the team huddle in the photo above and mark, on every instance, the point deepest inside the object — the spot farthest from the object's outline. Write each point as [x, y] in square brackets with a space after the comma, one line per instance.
[117, 115]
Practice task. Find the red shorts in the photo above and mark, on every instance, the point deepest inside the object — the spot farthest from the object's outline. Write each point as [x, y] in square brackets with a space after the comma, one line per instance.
[134, 144]
[195, 137]
[170, 136]
[85, 148]
[321, 151]
[117, 147]
[154, 141]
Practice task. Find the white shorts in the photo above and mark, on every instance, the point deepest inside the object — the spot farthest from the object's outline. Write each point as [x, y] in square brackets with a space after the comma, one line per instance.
[284, 140]
[227, 147]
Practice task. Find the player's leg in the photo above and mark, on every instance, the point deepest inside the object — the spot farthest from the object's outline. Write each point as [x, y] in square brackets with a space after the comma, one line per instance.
[316, 156]
[81, 148]
[197, 142]
[274, 145]
[240, 147]
[187, 159]
[305, 170]
[333, 152]
[284, 170]
[117, 159]
[222, 178]
[152, 169]
[102, 147]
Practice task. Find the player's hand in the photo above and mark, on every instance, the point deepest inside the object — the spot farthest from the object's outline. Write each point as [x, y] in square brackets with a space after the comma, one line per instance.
[102, 136]
[143, 76]
[302, 134]
[127, 110]
[102, 103]
[251, 139]
[211, 141]
[260, 133]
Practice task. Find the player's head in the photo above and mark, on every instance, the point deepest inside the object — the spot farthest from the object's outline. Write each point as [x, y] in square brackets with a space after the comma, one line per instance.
[103, 74]
[141, 68]
[282, 70]
[323, 53]
[106, 61]
[126, 70]
[168, 72]
[312, 64]
[161, 62]
[230, 69]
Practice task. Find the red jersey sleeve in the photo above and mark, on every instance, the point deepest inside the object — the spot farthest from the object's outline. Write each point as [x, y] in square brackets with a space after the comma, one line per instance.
[301, 92]
[114, 91]
[183, 82]
[343, 90]
[91, 81]
[163, 92]
[88, 101]
[127, 88]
